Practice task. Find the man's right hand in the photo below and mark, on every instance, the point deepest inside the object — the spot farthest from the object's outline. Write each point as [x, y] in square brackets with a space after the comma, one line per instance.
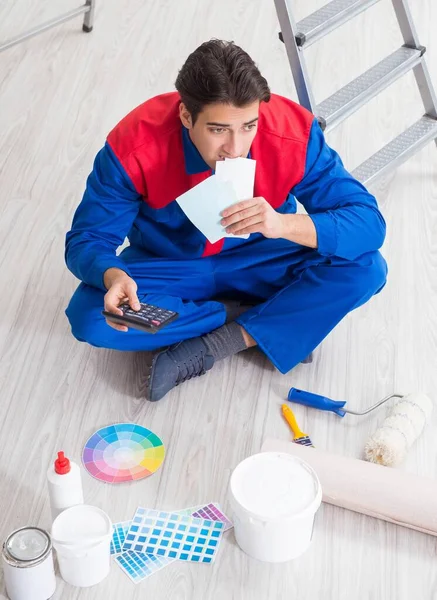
[121, 288]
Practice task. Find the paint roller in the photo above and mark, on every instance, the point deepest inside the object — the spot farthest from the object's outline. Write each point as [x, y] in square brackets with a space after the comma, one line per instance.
[368, 488]
[390, 443]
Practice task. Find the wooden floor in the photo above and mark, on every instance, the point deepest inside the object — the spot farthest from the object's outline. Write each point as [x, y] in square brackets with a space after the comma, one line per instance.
[60, 94]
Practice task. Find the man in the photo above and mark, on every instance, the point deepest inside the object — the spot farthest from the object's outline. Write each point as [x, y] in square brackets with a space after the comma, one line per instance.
[283, 289]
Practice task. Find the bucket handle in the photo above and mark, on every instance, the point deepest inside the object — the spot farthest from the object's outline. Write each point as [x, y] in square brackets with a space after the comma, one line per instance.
[257, 522]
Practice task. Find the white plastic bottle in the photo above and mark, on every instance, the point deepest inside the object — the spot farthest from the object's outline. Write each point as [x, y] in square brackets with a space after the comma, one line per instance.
[65, 485]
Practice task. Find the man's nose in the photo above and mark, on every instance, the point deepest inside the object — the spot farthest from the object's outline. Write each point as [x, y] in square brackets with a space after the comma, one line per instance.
[232, 147]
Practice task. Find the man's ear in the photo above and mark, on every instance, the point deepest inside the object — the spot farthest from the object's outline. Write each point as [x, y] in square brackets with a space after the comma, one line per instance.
[185, 116]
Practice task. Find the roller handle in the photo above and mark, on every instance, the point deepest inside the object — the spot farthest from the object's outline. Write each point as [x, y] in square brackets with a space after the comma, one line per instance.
[316, 401]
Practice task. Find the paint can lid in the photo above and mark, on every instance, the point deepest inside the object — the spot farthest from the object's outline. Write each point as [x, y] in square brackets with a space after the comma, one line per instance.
[81, 526]
[275, 485]
[28, 545]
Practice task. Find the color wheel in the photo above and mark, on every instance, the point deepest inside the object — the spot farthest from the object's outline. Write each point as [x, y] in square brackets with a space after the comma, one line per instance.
[123, 452]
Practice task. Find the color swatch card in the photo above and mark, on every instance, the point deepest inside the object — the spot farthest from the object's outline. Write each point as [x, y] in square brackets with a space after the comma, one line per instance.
[174, 535]
[123, 452]
[139, 566]
[240, 172]
[213, 513]
[119, 535]
[204, 203]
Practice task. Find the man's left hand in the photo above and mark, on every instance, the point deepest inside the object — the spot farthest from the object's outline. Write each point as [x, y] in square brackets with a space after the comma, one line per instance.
[253, 216]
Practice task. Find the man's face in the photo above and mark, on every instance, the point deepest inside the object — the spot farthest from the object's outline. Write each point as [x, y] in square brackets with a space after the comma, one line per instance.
[222, 130]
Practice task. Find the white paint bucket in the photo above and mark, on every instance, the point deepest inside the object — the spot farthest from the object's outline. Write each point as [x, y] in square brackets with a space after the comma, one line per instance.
[274, 498]
[81, 536]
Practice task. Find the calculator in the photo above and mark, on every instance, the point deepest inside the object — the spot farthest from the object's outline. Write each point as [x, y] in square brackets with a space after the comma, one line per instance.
[149, 318]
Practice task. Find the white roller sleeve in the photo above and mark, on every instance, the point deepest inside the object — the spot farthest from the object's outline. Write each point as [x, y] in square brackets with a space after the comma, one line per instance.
[390, 443]
[389, 494]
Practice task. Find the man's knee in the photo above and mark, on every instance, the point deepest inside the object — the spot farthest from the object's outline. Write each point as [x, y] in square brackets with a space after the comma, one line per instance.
[372, 273]
[84, 314]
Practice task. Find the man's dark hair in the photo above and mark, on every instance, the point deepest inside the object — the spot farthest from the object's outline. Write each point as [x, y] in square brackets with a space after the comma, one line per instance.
[219, 71]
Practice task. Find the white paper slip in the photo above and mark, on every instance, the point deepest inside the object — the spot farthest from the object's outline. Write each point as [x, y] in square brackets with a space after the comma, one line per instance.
[240, 172]
[204, 203]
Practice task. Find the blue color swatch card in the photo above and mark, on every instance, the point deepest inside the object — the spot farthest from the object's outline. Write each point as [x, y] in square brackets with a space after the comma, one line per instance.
[174, 535]
[138, 566]
[119, 535]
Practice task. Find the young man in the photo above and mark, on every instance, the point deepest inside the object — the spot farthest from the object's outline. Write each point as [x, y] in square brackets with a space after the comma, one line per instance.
[296, 276]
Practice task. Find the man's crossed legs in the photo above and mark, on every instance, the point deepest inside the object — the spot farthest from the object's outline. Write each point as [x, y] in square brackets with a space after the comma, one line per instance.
[298, 297]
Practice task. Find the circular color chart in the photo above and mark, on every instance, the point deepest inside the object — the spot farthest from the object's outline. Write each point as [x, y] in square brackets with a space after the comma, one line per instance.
[123, 452]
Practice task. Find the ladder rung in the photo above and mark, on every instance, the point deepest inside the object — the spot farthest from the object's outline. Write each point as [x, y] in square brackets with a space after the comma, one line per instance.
[398, 150]
[352, 96]
[327, 18]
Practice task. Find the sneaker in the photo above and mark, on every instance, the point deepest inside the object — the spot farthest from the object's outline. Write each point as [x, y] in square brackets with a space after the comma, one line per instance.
[175, 365]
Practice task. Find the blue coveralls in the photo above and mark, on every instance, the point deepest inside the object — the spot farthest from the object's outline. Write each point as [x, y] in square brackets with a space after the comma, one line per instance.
[300, 294]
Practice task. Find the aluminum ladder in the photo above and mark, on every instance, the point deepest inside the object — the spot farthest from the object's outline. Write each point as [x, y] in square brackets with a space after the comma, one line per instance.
[87, 9]
[344, 102]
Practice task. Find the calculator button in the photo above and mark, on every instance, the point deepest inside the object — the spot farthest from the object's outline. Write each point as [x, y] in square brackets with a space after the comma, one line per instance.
[155, 322]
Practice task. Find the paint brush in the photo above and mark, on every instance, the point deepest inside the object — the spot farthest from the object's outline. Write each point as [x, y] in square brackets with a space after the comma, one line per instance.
[299, 437]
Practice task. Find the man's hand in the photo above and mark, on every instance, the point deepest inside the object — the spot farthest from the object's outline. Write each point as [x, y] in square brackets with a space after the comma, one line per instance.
[257, 216]
[253, 216]
[121, 288]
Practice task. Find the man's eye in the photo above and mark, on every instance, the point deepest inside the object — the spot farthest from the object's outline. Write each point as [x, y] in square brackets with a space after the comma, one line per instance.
[249, 127]
[218, 130]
